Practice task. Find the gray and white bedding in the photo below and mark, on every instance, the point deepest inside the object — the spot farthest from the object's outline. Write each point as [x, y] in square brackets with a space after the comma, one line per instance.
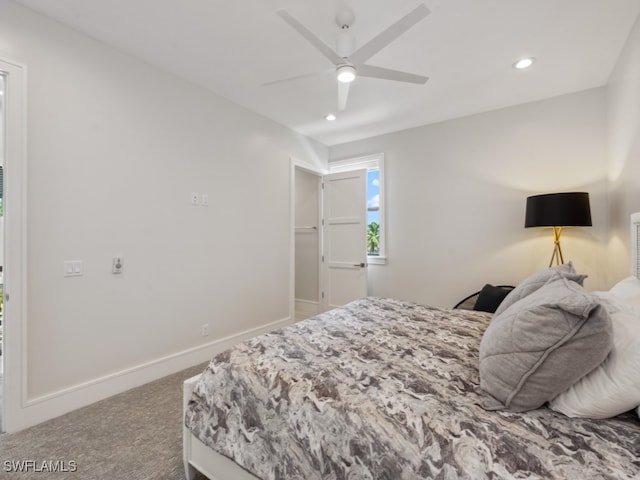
[386, 389]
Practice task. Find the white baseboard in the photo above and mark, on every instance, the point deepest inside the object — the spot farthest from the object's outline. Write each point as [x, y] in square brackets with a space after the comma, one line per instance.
[38, 409]
[306, 308]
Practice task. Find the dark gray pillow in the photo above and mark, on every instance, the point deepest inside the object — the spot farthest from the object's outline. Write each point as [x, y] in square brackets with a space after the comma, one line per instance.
[541, 345]
[537, 280]
[490, 298]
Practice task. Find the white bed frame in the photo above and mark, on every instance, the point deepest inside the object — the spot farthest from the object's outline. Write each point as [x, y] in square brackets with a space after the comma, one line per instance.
[198, 457]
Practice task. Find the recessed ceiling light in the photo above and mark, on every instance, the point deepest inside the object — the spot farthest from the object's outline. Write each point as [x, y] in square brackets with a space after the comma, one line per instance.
[331, 117]
[524, 63]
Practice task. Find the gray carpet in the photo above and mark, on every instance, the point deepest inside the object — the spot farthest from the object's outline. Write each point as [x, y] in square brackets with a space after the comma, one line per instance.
[136, 435]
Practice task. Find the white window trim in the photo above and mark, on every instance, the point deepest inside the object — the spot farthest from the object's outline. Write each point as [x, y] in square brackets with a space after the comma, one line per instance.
[370, 162]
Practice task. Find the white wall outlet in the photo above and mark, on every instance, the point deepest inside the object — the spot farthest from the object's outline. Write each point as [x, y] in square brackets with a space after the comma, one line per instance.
[205, 329]
[195, 199]
[205, 199]
[117, 265]
[72, 268]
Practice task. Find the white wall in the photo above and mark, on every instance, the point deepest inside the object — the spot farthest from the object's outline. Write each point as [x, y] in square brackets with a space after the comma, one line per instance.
[2, 150]
[623, 100]
[115, 148]
[456, 196]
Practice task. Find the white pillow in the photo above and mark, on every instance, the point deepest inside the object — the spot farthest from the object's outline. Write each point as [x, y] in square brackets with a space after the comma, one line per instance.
[614, 386]
[628, 290]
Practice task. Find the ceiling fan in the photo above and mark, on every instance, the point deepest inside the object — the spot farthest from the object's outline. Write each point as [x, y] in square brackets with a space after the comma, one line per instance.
[349, 62]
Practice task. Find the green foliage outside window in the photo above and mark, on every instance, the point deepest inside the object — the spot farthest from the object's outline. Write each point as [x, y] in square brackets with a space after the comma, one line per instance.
[373, 239]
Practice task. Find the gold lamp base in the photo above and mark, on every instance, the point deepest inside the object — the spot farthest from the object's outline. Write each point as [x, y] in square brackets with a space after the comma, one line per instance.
[557, 251]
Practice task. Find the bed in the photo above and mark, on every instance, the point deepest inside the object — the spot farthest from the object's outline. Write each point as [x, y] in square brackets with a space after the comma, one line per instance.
[382, 388]
[389, 389]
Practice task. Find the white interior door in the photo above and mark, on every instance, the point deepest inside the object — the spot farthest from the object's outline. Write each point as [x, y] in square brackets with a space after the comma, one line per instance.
[344, 237]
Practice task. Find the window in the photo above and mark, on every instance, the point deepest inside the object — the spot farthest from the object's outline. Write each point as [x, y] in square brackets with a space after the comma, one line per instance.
[374, 164]
[373, 213]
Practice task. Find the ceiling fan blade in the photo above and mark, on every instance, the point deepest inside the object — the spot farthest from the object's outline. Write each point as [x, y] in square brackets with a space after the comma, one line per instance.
[299, 77]
[388, 74]
[387, 36]
[343, 94]
[311, 37]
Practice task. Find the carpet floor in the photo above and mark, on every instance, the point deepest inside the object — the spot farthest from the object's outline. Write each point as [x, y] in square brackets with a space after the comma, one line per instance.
[136, 435]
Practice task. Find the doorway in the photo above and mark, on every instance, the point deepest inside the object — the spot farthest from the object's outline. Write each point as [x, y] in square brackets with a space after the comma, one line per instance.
[328, 239]
[12, 245]
[307, 243]
[2, 155]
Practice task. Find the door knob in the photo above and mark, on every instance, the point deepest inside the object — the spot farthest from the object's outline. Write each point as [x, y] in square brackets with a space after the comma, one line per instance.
[361, 265]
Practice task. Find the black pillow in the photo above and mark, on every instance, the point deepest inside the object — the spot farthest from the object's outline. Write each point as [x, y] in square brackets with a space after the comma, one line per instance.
[490, 297]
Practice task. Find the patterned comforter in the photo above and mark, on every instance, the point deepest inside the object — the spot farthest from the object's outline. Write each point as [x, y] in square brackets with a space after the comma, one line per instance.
[385, 389]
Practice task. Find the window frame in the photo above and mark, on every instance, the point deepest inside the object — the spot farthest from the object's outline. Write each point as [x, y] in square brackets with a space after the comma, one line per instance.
[370, 162]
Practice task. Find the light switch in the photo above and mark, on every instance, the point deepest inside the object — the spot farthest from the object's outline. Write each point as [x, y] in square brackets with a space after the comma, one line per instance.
[205, 199]
[72, 268]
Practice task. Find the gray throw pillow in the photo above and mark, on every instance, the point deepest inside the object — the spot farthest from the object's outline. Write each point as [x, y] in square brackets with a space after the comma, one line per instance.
[537, 280]
[541, 345]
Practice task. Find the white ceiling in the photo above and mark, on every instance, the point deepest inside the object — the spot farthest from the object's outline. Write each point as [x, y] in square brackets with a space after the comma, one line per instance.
[466, 47]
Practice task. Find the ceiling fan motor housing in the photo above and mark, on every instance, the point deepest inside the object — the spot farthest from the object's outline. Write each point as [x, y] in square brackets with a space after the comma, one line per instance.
[345, 44]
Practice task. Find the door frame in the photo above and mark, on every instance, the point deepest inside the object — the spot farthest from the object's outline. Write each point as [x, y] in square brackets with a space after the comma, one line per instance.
[14, 324]
[293, 165]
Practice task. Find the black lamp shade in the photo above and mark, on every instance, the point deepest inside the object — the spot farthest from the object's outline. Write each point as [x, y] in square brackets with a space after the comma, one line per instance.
[558, 210]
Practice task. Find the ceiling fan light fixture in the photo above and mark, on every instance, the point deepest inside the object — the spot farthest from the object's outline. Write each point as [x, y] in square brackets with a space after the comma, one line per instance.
[331, 117]
[346, 73]
[524, 63]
